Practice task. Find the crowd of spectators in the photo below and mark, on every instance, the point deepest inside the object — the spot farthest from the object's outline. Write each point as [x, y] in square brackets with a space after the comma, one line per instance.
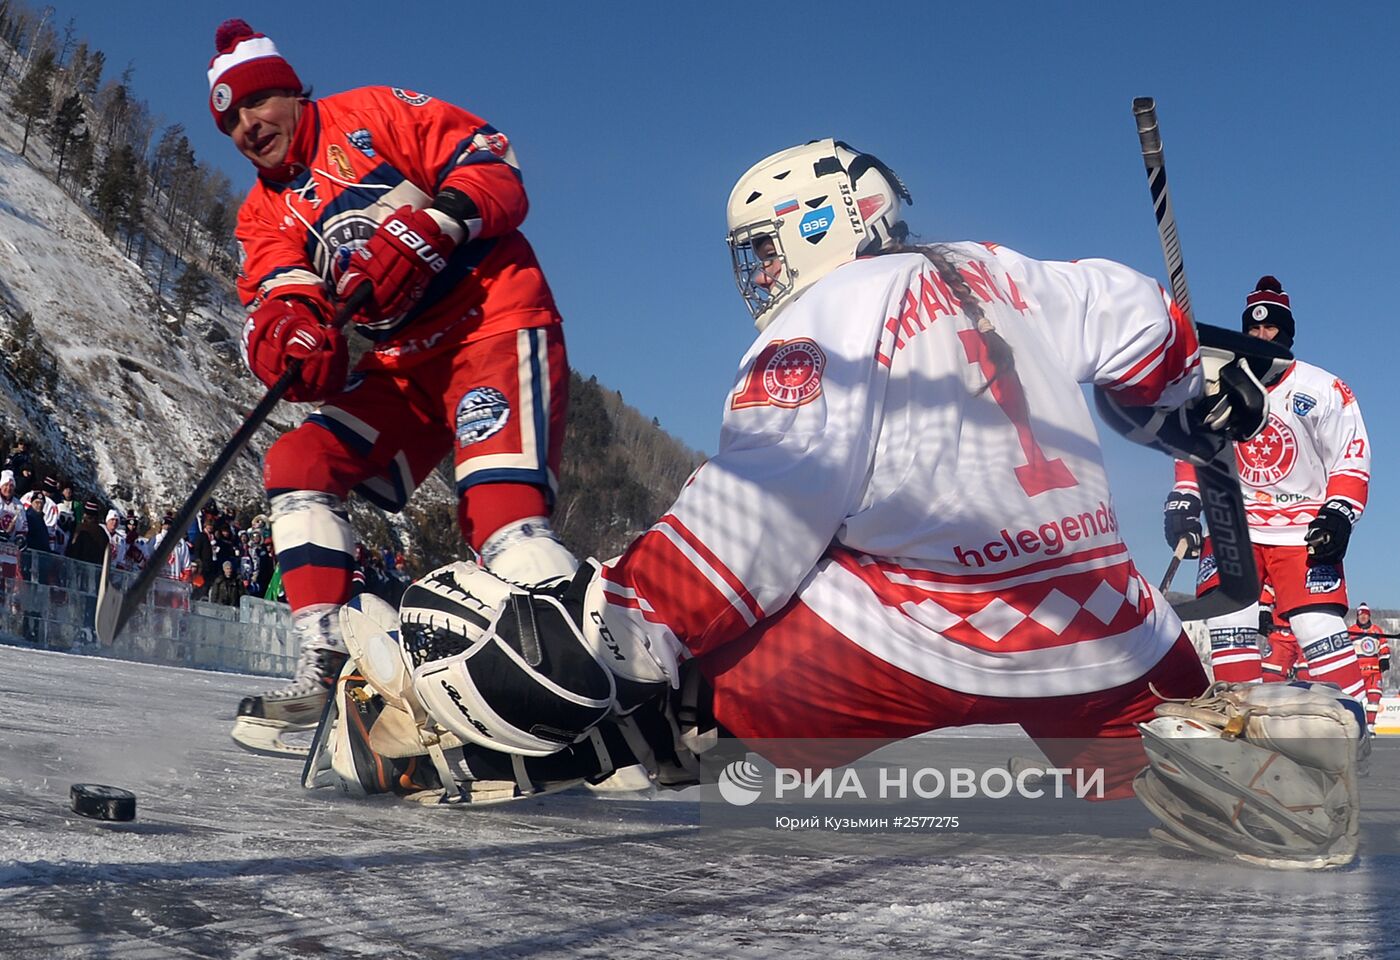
[220, 557]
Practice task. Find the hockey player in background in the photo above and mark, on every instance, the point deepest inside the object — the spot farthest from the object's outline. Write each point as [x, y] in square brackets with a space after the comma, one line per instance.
[414, 205]
[1305, 480]
[1282, 661]
[1373, 656]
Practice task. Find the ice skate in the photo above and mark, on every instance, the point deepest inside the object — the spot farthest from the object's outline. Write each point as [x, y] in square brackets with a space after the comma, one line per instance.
[263, 719]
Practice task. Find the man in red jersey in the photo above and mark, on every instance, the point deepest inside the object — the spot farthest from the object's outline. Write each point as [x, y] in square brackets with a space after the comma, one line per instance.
[410, 208]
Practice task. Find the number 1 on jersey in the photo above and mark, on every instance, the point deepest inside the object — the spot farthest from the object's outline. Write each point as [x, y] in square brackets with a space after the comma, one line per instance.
[1039, 473]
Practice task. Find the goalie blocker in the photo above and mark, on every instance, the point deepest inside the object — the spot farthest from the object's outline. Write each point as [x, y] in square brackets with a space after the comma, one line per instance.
[1234, 406]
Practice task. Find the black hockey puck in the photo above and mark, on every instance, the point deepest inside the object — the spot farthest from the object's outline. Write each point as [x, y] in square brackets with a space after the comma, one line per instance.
[101, 802]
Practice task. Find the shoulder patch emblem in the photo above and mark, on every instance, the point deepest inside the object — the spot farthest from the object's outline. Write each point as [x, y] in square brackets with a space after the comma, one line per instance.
[361, 141]
[1303, 404]
[410, 97]
[1348, 397]
[786, 373]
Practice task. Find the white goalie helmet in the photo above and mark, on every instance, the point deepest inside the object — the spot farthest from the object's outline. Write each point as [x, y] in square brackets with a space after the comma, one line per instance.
[797, 215]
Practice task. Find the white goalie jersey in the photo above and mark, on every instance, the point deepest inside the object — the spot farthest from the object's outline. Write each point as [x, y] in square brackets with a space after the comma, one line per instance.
[961, 531]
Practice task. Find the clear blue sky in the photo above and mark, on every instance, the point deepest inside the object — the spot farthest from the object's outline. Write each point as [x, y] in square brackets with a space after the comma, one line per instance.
[1009, 122]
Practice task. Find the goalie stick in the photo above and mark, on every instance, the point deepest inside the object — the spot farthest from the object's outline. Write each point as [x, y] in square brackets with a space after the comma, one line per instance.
[116, 606]
[1223, 503]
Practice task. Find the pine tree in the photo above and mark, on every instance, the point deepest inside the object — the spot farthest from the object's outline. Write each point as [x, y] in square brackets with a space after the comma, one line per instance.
[115, 186]
[91, 75]
[191, 290]
[80, 166]
[64, 127]
[33, 98]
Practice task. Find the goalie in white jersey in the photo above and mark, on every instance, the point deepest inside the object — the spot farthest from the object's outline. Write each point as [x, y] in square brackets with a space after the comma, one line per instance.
[907, 526]
[1305, 480]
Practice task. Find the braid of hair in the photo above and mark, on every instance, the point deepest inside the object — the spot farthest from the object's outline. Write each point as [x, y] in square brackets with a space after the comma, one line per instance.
[999, 352]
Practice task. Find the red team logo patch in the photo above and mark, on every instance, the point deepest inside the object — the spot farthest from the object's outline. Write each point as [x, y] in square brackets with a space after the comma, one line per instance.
[1347, 396]
[1269, 457]
[787, 373]
[494, 143]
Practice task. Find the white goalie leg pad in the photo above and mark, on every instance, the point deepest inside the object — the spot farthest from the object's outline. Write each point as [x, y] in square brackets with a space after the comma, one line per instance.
[523, 682]
[370, 628]
[528, 552]
[1264, 774]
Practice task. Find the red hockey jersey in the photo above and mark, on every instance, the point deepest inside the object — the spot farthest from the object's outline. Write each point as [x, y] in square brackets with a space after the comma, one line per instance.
[363, 154]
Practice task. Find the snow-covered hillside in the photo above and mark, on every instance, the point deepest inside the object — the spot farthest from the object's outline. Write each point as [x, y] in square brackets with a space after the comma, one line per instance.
[139, 405]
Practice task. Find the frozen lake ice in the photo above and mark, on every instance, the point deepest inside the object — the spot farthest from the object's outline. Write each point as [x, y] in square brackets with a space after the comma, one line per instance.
[230, 858]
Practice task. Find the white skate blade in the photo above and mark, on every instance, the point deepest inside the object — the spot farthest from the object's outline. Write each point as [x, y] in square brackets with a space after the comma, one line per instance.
[632, 779]
[264, 737]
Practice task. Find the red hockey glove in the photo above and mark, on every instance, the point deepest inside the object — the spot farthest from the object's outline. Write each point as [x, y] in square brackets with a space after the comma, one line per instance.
[282, 329]
[398, 262]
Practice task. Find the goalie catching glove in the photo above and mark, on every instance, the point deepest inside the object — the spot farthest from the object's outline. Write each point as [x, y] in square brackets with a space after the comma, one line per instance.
[1261, 773]
[525, 671]
[1234, 405]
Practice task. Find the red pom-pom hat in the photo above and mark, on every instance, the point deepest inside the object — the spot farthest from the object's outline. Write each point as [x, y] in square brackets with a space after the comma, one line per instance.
[246, 63]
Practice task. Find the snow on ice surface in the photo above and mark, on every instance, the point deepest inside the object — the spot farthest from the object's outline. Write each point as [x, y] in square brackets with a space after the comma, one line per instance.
[228, 857]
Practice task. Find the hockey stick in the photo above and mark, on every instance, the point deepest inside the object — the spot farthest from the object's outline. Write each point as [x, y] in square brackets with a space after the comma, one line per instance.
[1182, 546]
[116, 606]
[1219, 483]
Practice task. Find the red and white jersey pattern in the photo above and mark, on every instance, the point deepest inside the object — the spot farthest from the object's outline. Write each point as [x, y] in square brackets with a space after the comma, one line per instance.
[179, 560]
[1314, 449]
[14, 522]
[962, 532]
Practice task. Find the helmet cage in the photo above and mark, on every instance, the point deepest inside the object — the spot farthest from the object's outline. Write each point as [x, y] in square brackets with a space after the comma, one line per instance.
[822, 204]
[749, 266]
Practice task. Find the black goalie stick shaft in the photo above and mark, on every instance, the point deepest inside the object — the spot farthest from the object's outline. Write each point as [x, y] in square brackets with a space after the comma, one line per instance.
[1223, 503]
